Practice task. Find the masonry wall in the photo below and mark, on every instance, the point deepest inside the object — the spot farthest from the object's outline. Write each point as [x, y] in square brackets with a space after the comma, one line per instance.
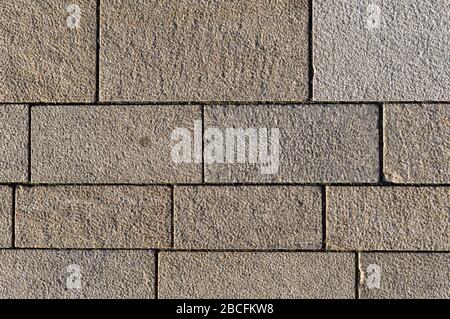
[94, 205]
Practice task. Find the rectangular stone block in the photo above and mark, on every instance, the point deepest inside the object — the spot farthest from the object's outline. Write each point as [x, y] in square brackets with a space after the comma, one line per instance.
[255, 275]
[240, 50]
[13, 143]
[93, 217]
[48, 50]
[388, 218]
[6, 216]
[417, 143]
[314, 144]
[248, 217]
[111, 144]
[405, 276]
[52, 274]
[382, 50]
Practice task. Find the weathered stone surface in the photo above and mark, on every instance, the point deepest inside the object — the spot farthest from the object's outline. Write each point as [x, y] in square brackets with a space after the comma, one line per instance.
[89, 192]
[256, 275]
[13, 142]
[210, 50]
[406, 275]
[58, 274]
[43, 59]
[110, 144]
[255, 217]
[5, 216]
[317, 143]
[93, 217]
[417, 143]
[382, 50]
[388, 218]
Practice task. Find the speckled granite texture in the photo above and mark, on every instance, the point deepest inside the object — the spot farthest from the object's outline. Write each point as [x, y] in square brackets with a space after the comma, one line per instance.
[225, 149]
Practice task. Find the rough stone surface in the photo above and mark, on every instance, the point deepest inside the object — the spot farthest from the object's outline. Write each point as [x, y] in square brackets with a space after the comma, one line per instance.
[404, 59]
[156, 125]
[318, 143]
[388, 218]
[110, 144]
[406, 276]
[208, 50]
[248, 217]
[13, 142]
[42, 58]
[256, 275]
[93, 217]
[417, 143]
[5, 217]
[103, 274]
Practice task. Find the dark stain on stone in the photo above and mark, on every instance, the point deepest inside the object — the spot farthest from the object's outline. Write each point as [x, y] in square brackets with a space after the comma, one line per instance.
[144, 141]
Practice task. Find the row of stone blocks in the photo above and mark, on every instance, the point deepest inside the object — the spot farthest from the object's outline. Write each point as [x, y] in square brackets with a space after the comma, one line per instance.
[181, 274]
[134, 144]
[243, 50]
[344, 218]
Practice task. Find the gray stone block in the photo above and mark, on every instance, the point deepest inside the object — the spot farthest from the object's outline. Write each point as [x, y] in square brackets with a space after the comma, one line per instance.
[417, 143]
[388, 218]
[6, 216]
[256, 275]
[382, 50]
[317, 143]
[188, 50]
[110, 144]
[53, 274]
[93, 217]
[255, 217]
[46, 54]
[13, 143]
[405, 276]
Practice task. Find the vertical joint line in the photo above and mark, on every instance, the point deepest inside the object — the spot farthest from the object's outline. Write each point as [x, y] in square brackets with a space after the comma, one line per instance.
[13, 218]
[203, 143]
[97, 53]
[357, 274]
[381, 142]
[172, 216]
[324, 217]
[29, 144]
[155, 287]
[310, 52]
